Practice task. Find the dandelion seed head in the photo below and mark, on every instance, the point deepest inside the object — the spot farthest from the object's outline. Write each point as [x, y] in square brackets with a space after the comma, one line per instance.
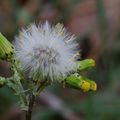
[46, 51]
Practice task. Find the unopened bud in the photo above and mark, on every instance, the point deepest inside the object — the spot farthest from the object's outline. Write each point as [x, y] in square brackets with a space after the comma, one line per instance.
[6, 48]
[80, 82]
[85, 64]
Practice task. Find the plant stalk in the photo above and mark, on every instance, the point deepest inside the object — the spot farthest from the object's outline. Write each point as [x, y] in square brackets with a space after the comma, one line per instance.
[32, 99]
[30, 107]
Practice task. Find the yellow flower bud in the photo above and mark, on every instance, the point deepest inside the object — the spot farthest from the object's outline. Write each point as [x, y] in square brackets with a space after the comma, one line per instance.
[79, 82]
[85, 86]
[93, 86]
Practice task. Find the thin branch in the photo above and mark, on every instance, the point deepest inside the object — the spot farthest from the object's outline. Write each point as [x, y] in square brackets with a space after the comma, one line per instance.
[31, 104]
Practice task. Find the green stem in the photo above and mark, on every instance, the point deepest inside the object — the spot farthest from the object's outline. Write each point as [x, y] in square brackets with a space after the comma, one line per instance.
[32, 99]
[17, 85]
[23, 97]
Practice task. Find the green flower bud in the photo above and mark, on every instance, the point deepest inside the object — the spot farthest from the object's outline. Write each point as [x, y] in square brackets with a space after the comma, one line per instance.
[85, 64]
[79, 82]
[6, 48]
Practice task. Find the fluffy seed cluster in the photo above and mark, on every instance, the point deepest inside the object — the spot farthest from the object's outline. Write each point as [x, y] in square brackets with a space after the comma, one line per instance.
[46, 51]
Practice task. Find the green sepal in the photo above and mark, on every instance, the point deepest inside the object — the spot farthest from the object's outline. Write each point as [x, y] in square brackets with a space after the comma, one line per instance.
[73, 81]
[85, 64]
[6, 48]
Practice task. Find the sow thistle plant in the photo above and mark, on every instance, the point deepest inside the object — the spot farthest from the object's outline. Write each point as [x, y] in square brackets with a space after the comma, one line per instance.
[39, 56]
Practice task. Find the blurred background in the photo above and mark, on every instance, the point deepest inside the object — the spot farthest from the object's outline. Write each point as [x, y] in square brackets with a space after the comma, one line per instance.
[96, 23]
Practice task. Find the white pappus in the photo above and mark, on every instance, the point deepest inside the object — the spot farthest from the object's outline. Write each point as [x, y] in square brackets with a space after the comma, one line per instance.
[46, 51]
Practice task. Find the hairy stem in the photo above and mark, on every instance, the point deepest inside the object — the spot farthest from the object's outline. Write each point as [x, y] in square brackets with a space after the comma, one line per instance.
[30, 107]
[32, 99]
